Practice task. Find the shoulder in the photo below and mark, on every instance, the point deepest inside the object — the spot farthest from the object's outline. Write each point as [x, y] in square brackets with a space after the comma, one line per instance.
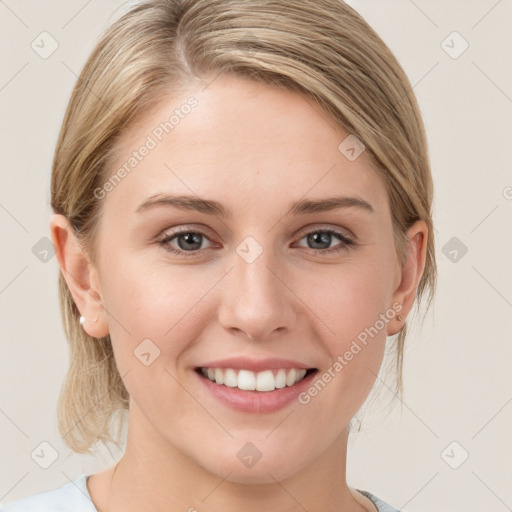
[71, 496]
[382, 506]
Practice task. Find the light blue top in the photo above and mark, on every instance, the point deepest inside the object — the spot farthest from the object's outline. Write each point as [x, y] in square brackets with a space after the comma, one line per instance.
[74, 496]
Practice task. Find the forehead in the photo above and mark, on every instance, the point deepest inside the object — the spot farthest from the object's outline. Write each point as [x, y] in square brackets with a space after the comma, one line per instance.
[244, 143]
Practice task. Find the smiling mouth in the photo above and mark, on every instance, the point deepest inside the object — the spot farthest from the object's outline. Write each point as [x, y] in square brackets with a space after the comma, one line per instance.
[247, 380]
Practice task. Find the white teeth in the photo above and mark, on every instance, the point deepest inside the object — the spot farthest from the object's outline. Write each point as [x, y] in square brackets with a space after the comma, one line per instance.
[281, 379]
[246, 380]
[230, 378]
[267, 380]
[290, 378]
[219, 376]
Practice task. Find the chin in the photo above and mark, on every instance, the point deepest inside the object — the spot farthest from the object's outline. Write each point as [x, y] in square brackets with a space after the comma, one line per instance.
[248, 467]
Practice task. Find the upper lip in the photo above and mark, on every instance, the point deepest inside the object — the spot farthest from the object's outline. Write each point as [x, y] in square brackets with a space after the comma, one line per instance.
[255, 365]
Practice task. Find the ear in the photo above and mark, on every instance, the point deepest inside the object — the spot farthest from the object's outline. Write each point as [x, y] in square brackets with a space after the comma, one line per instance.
[410, 273]
[81, 276]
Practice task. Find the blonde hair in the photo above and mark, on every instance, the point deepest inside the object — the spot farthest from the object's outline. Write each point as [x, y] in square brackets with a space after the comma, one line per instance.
[323, 50]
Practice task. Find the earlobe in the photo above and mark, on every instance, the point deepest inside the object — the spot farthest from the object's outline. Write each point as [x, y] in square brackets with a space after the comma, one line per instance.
[411, 272]
[80, 275]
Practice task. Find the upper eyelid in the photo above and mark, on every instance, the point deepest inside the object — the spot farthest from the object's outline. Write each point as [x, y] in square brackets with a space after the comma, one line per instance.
[171, 234]
[313, 229]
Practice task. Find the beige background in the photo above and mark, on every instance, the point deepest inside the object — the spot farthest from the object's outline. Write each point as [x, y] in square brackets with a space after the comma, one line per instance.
[458, 383]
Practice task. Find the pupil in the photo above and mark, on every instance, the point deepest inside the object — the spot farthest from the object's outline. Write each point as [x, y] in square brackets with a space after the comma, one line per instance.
[190, 239]
[322, 238]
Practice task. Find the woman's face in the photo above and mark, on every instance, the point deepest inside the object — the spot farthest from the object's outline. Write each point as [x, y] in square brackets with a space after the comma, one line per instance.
[239, 275]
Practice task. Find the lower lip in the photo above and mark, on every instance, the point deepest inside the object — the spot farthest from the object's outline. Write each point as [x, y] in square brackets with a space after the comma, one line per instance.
[258, 402]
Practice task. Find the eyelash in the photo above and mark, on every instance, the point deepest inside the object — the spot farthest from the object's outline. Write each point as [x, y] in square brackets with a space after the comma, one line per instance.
[346, 241]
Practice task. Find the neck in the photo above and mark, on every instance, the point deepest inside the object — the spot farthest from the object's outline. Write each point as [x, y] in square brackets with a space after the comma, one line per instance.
[153, 476]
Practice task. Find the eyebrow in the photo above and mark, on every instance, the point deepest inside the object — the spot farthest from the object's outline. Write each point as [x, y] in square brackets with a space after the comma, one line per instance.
[210, 207]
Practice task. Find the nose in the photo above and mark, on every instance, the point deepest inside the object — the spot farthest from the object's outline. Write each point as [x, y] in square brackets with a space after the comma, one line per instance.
[256, 300]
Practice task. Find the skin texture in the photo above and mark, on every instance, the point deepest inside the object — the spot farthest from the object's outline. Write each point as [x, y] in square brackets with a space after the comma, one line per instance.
[255, 149]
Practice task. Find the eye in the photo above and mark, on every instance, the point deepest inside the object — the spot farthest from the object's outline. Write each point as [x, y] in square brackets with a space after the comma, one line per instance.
[321, 240]
[189, 242]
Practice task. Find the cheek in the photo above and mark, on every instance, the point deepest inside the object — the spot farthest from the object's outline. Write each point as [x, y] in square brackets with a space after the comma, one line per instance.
[145, 294]
[154, 301]
[155, 316]
[352, 298]
[355, 306]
